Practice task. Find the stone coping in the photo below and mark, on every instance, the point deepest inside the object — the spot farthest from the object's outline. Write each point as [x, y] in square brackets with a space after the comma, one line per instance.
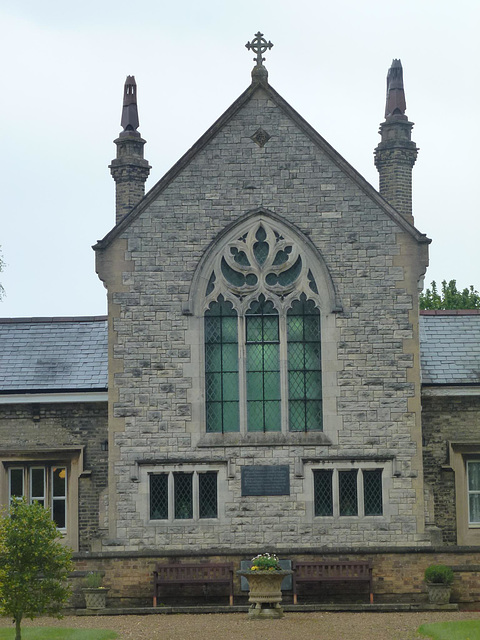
[373, 551]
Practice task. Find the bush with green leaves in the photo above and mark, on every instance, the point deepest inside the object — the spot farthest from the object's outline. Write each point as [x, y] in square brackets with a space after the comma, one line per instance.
[93, 580]
[34, 564]
[439, 574]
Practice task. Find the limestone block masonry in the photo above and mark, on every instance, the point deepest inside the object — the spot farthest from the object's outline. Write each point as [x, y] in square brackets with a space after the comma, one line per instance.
[152, 268]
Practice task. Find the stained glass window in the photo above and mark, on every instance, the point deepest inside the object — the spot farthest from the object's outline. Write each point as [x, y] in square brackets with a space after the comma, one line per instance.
[304, 366]
[263, 367]
[262, 337]
[221, 367]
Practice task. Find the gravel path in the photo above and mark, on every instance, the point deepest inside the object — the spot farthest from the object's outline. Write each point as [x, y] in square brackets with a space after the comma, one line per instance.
[236, 626]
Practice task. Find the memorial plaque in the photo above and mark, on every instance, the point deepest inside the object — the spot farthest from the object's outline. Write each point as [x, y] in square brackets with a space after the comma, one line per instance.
[266, 480]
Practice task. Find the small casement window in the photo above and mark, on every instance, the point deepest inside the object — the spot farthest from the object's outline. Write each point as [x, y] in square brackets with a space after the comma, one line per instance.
[262, 338]
[179, 495]
[45, 484]
[473, 480]
[356, 492]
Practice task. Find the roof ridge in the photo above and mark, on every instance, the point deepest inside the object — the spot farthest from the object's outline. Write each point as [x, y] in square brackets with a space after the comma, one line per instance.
[449, 312]
[46, 320]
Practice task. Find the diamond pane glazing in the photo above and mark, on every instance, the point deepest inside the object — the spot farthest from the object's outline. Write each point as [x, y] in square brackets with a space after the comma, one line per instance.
[323, 495]
[230, 417]
[159, 496]
[183, 493]
[207, 494]
[372, 492]
[214, 417]
[213, 387]
[347, 484]
[221, 366]
[304, 366]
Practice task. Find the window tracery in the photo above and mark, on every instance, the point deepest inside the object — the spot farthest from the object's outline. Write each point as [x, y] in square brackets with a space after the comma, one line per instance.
[262, 337]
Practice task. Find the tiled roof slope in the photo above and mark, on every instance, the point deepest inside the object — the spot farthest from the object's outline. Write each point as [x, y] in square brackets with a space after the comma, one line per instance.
[450, 347]
[70, 354]
[53, 354]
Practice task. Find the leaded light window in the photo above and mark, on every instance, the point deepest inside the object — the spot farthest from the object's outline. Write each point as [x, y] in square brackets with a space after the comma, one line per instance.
[323, 494]
[372, 492]
[179, 495]
[353, 492]
[262, 337]
[473, 473]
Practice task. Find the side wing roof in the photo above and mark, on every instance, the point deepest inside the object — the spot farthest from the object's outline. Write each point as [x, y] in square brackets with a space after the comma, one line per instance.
[53, 354]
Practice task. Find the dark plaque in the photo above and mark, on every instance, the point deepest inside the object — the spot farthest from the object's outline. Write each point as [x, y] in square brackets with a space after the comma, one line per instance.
[266, 480]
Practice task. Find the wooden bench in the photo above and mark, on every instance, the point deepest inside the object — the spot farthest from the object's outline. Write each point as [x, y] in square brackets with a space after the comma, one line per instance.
[171, 574]
[331, 572]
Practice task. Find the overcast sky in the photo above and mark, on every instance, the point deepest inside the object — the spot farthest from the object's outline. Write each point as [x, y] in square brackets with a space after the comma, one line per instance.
[63, 69]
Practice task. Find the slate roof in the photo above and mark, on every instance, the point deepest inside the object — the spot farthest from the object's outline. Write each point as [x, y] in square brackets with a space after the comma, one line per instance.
[450, 347]
[53, 354]
[70, 354]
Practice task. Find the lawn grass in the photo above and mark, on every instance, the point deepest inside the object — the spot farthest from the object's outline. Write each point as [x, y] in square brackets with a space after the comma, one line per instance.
[461, 630]
[56, 633]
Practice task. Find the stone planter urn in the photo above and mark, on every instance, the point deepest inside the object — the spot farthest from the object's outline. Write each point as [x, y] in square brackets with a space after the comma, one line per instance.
[265, 594]
[438, 593]
[95, 598]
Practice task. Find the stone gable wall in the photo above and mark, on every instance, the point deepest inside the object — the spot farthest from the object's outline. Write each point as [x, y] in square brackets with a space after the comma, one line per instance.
[371, 364]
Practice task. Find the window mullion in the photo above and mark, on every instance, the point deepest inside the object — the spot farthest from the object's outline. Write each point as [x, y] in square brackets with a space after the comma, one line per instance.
[360, 493]
[195, 496]
[336, 494]
[283, 371]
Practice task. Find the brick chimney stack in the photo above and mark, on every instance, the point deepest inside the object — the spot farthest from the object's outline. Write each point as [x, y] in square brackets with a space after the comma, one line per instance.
[129, 169]
[396, 153]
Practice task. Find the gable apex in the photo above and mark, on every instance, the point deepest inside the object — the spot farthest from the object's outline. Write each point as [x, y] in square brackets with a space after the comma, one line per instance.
[257, 86]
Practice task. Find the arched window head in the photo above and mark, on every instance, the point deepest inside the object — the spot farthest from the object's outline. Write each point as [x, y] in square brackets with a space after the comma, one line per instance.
[264, 261]
[262, 337]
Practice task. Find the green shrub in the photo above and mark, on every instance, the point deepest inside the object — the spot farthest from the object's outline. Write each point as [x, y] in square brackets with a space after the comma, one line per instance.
[439, 574]
[93, 580]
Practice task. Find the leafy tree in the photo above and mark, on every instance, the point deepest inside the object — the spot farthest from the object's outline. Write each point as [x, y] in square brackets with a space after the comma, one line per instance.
[34, 564]
[449, 297]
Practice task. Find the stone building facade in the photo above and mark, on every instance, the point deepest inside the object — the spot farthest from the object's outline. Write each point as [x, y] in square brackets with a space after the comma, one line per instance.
[271, 383]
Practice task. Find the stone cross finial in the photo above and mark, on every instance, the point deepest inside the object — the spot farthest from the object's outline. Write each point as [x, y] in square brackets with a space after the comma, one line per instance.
[259, 45]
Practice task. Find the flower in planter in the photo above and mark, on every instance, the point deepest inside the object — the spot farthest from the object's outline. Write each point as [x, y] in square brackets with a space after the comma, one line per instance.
[265, 562]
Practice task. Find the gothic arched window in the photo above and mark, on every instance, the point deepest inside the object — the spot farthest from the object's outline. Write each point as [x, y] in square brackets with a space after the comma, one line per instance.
[262, 337]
